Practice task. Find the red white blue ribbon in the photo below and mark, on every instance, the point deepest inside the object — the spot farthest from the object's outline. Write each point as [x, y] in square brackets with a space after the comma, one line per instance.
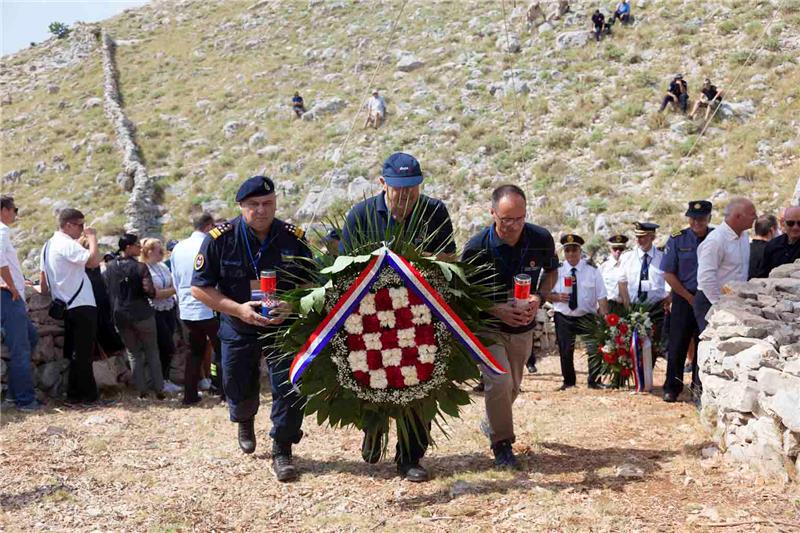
[642, 356]
[349, 301]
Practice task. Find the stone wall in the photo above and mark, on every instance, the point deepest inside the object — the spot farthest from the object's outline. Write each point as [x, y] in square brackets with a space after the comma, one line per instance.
[750, 369]
[142, 211]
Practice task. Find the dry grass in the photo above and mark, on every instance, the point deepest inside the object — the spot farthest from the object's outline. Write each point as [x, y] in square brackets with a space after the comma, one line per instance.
[156, 467]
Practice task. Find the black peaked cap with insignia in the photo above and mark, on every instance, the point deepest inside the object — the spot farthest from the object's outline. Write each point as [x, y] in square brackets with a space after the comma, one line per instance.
[617, 241]
[572, 239]
[644, 228]
[255, 186]
[699, 208]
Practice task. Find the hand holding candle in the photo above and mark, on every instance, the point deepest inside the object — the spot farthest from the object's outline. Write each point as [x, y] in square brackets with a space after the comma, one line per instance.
[269, 285]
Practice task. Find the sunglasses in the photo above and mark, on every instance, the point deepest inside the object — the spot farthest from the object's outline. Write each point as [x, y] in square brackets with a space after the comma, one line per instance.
[791, 223]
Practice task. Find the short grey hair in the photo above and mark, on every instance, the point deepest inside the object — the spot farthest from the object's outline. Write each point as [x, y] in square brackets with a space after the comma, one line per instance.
[736, 203]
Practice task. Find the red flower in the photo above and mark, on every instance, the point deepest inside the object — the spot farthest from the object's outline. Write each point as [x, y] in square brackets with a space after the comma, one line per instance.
[619, 340]
[600, 349]
[424, 371]
[374, 359]
[402, 318]
[625, 372]
[371, 323]
[622, 352]
[413, 299]
[610, 358]
[383, 301]
[395, 377]
[623, 328]
[361, 377]
[612, 319]
[389, 339]
[356, 343]
[409, 357]
[424, 334]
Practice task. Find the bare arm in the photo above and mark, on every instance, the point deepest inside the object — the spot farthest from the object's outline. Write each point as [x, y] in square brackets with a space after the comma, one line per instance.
[94, 250]
[602, 304]
[678, 287]
[5, 273]
[623, 293]
[44, 287]
[165, 293]
[548, 282]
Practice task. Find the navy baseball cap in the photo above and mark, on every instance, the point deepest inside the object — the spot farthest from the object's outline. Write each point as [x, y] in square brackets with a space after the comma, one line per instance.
[401, 170]
[171, 244]
[255, 186]
[699, 208]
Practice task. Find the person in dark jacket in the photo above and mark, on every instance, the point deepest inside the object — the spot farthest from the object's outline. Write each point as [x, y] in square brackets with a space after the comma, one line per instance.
[599, 22]
[677, 94]
[765, 229]
[784, 249]
[130, 286]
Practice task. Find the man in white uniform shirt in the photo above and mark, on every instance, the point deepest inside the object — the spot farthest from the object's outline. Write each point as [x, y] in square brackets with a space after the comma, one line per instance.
[63, 274]
[198, 317]
[723, 256]
[579, 291]
[613, 272]
[19, 333]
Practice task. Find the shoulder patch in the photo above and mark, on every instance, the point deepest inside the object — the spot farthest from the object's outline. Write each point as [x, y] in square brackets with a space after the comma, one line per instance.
[297, 231]
[220, 229]
[677, 233]
[199, 261]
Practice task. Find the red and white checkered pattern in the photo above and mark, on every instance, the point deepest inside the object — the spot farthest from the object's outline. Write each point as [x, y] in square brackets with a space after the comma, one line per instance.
[391, 340]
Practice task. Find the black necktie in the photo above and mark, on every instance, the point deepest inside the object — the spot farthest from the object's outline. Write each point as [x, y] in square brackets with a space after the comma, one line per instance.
[645, 275]
[573, 296]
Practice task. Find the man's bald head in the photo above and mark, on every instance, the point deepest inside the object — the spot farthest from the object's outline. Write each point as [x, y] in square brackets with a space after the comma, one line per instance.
[740, 213]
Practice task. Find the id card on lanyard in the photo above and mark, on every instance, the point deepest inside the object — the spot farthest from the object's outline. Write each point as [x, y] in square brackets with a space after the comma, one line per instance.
[254, 284]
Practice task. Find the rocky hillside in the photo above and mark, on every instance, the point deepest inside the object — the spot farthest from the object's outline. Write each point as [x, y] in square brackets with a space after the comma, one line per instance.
[477, 96]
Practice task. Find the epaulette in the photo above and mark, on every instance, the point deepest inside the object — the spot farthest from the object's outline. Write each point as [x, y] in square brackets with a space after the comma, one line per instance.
[677, 233]
[297, 231]
[219, 229]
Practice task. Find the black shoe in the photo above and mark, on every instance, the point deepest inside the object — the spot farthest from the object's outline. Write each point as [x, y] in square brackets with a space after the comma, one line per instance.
[371, 448]
[480, 387]
[564, 387]
[532, 368]
[160, 396]
[282, 462]
[247, 436]
[413, 472]
[504, 455]
[670, 397]
[192, 401]
[597, 386]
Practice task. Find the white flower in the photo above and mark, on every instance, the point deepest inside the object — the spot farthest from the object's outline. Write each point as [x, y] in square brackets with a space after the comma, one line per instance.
[367, 305]
[386, 319]
[391, 357]
[427, 353]
[372, 341]
[358, 361]
[420, 314]
[608, 348]
[399, 296]
[405, 337]
[377, 379]
[353, 325]
[410, 375]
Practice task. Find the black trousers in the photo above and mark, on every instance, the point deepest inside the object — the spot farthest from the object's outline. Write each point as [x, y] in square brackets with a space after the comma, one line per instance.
[80, 335]
[683, 330]
[201, 332]
[165, 333]
[566, 330]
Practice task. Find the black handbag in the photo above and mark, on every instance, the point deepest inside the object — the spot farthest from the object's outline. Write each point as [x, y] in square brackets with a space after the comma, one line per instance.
[58, 308]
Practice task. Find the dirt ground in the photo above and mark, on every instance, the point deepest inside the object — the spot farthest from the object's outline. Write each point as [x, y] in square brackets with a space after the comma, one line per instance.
[593, 461]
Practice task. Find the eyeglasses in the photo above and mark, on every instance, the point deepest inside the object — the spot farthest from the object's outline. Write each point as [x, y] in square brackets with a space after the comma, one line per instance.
[510, 221]
[791, 223]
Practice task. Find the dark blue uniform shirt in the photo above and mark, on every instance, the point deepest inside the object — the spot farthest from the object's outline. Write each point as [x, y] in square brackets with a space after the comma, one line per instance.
[680, 257]
[224, 262]
[535, 251]
[371, 218]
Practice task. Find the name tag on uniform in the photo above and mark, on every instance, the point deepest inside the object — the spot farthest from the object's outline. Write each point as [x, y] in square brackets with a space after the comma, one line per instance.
[684, 249]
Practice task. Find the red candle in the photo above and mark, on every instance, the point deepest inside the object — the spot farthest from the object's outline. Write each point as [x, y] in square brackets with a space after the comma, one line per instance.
[269, 281]
[522, 288]
[568, 282]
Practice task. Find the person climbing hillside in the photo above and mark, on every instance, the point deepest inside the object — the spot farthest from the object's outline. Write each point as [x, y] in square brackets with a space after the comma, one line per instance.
[599, 22]
[298, 106]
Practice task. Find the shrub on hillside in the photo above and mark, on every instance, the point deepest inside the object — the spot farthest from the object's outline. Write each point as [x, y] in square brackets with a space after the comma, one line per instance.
[59, 29]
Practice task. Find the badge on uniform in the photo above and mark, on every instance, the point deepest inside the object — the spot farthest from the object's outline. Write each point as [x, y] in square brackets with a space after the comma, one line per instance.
[199, 261]
[533, 263]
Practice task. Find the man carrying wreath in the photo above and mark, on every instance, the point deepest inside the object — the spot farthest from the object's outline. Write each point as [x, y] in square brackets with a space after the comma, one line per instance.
[511, 246]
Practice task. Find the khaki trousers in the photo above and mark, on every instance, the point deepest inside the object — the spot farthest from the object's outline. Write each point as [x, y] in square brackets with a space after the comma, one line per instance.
[511, 350]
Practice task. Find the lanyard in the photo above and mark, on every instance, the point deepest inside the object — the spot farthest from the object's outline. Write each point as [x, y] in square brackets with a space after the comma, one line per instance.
[254, 260]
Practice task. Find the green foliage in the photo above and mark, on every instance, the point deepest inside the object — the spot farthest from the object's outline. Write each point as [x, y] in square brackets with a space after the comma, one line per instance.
[612, 53]
[596, 205]
[727, 27]
[59, 29]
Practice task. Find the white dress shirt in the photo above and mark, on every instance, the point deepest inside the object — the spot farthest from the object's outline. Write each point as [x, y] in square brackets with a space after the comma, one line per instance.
[612, 272]
[182, 262]
[654, 285]
[722, 257]
[66, 269]
[591, 288]
[8, 258]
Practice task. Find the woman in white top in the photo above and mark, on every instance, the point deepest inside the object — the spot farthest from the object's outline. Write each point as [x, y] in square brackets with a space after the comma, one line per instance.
[164, 305]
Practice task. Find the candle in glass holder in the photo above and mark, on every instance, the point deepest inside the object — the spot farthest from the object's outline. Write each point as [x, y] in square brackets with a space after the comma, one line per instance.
[522, 289]
[568, 282]
[269, 285]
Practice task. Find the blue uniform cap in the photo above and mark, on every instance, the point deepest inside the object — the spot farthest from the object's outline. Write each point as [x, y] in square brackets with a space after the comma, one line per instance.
[401, 170]
[644, 228]
[255, 186]
[699, 208]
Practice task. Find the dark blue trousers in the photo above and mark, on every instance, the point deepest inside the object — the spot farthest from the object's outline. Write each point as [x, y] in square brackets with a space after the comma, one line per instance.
[241, 355]
[683, 328]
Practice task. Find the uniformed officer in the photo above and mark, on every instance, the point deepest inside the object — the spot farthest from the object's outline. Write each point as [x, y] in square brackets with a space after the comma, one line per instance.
[579, 291]
[612, 272]
[680, 271]
[399, 211]
[227, 270]
[511, 246]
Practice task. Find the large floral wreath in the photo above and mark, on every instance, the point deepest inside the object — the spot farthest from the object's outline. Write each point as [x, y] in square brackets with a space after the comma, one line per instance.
[393, 357]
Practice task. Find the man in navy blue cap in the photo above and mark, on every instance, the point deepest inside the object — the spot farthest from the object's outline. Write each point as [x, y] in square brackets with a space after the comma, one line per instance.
[400, 213]
[226, 272]
[680, 272]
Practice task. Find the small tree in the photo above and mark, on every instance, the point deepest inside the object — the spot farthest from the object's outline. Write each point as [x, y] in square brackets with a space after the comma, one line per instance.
[59, 29]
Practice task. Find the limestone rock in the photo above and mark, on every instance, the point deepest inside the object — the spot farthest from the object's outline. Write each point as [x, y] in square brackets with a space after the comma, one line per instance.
[408, 63]
[231, 127]
[786, 405]
[572, 39]
[257, 139]
[509, 44]
[324, 107]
